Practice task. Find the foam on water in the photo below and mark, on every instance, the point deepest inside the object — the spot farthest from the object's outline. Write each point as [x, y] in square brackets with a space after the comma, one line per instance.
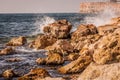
[24, 49]
[40, 23]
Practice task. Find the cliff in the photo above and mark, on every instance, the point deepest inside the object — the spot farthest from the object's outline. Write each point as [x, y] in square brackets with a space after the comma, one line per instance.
[96, 7]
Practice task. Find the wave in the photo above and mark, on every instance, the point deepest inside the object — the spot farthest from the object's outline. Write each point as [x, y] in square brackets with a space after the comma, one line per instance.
[101, 18]
[41, 22]
[24, 49]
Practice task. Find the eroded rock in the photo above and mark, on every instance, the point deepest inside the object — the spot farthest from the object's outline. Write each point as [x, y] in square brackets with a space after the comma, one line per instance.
[59, 29]
[18, 41]
[77, 65]
[84, 30]
[8, 74]
[101, 72]
[34, 74]
[7, 51]
[51, 59]
[62, 47]
[42, 41]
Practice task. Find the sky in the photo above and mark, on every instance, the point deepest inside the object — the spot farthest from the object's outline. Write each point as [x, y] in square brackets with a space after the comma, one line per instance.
[40, 6]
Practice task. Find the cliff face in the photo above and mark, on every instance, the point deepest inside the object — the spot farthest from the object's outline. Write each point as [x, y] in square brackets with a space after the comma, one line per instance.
[95, 7]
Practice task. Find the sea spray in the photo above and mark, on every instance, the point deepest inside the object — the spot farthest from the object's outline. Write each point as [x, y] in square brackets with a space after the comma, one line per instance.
[40, 23]
[101, 18]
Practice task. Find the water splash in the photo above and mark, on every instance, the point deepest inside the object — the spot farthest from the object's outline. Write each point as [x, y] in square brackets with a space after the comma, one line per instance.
[40, 23]
[101, 18]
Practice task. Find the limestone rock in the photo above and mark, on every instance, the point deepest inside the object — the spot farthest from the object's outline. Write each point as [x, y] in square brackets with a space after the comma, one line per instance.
[62, 47]
[7, 51]
[59, 29]
[51, 59]
[76, 66]
[42, 41]
[34, 74]
[49, 78]
[106, 29]
[101, 72]
[84, 30]
[18, 41]
[8, 74]
[72, 56]
[107, 49]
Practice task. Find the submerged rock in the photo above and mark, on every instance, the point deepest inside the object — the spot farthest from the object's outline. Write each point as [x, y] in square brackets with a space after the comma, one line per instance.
[59, 29]
[7, 51]
[13, 59]
[42, 41]
[51, 59]
[101, 72]
[62, 47]
[8, 74]
[76, 66]
[18, 41]
[34, 74]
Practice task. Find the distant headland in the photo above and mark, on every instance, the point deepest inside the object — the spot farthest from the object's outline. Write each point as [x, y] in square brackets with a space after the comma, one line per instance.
[96, 7]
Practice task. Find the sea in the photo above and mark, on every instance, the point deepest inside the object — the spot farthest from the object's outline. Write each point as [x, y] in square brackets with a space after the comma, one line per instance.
[14, 25]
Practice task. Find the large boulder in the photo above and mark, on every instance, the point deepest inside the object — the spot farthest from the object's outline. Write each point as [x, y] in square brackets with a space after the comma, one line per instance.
[59, 29]
[7, 51]
[106, 50]
[76, 66]
[42, 41]
[62, 47]
[34, 74]
[51, 59]
[101, 72]
[18, 41]
[84, 30]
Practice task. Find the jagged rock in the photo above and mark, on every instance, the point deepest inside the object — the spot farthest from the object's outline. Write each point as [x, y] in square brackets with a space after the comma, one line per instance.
[85, 41]
[76, 66]
[84, 30]
[72, 56]
[42, 41]
[7, 51]
[52, 58]
[41, 61]
[49, 78]
[34, 74]
[107, 49]
[59, 29]
[18, 41]
[101, 72]
[62, 47]
[13, 59]
[106, 29]
[8, 74]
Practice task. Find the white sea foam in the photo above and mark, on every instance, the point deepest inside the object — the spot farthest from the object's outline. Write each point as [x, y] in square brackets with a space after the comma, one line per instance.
[24, 49]
[101, 18]
[40, 23]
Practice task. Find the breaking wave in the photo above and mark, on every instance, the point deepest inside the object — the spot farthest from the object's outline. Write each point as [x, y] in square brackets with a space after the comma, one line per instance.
[40, 23]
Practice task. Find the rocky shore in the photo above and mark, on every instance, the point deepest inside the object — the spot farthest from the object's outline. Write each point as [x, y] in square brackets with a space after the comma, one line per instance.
[88, 53]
